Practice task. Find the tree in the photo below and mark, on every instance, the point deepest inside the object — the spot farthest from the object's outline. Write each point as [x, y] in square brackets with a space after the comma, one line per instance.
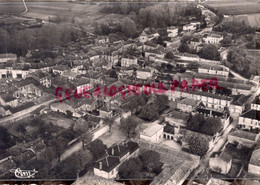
[81, 126]
[226, 41]
[195, 122]
[128, 126]
[210, 52]
[198, 145]
[169, 55]
[149, 112]
[184, 48]
[211, 126]
[6, 140]
[131, 169]
[151, 161]
[128, 27]
[97, 148]
[161, 102]
[112, 74]
[83, 158]
[169, 67]
[109, 121]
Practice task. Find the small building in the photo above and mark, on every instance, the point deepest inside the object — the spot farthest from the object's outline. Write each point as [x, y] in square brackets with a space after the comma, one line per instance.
[63, 108]
[221, 164]
[189, 27]
[172, 31]
[102, 40]
[108, 166]
[153, 133]
[238, 105]
[60, 69]
[250, 120]
[105, 112]
[168, 132]
[187, 105]
[245, 138]
[7, 99]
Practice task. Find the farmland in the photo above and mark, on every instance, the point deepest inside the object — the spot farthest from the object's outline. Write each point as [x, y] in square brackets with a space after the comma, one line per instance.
[231, 7]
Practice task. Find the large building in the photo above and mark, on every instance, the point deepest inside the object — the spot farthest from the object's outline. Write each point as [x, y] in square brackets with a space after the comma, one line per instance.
[250, 120]
[212, 38]
[107, 167]
[215, 70]
[7, 57]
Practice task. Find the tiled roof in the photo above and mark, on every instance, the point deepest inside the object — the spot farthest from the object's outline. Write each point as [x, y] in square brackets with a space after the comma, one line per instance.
[25, 82]
[252, 114]
[188, 101]
[244, 135]
[168, 129]
[239, 100]
[225, 157]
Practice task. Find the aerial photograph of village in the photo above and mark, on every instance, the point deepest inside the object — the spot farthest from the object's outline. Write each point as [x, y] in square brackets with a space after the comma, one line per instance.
[102, 92]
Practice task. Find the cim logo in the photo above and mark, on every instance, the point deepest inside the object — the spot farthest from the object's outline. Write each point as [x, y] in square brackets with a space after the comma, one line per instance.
[23, 174]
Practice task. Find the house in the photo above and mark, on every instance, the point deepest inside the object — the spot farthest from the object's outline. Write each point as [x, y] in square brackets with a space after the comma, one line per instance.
[82, 104]
[107, 167]
[189, 27]
[195, 42]
[13, 72]
[4, 111]
[255, 105]
[8, 57]
[149, 45]
[27, 87]
[187, 105]
[214, 70]
[63, 108]
[82, 83]
[212, 38]
[249, 120]
[238, 105]
[43, 78]
[128, 60]
[105, 112]
[245, 138]
[7, 99]
[215, 181]
[153, 133]
[70, 75]
[102, 40]
[254, 163]
[221, 164]
[143, 37]
[172, 31]
[60, 69]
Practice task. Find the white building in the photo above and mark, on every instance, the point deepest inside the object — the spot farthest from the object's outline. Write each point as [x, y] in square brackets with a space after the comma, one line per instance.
[214, 70]
[213, 38]
[250, 119]
[153, 133]
[128, 61]
[7, 57]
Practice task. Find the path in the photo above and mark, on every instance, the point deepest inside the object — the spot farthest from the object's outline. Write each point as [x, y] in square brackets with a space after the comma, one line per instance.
[26, 9]
[17, 115]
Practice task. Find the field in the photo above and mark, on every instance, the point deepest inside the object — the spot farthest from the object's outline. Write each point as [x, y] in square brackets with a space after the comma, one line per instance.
[11, 8]
[238, 7]
[252, 20]
[256, 61]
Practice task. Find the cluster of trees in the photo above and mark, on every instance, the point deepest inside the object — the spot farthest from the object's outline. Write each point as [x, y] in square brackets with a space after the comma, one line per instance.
[135, 101]
[128, 126]
[235, 27]
[44, 38]
[148, 162]
[240, 60]
[167, 67]
[209, 126]
[6, 139]
[152, 110]
[127, 27]
[210, 52]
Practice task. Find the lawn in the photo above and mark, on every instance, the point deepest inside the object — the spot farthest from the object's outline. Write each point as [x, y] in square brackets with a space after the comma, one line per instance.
[57, 120]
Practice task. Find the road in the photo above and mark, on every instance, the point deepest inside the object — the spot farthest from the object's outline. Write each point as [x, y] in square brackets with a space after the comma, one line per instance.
[17, 115]
[26, 9]
[217, 146]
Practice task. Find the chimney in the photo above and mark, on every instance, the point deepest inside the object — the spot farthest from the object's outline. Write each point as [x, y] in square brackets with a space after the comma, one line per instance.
[107, 161]
[100, 165]
[112, 151]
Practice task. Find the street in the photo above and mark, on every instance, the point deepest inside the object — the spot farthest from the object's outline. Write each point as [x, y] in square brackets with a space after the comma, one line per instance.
[205, 160]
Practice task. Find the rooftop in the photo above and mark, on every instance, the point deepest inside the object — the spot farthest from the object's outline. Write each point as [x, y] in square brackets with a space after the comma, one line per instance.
[244, 135]
[240, 100]
[152, 129]
[252, 114]
[188, 101]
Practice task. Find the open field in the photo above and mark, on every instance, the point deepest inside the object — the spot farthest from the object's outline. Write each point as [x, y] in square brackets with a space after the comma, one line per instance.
[13, 8]
[256, 62]
[252, 20]
[232, 7]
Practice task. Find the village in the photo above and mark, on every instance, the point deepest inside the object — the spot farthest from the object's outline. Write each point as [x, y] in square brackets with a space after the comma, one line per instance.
[167, 106]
